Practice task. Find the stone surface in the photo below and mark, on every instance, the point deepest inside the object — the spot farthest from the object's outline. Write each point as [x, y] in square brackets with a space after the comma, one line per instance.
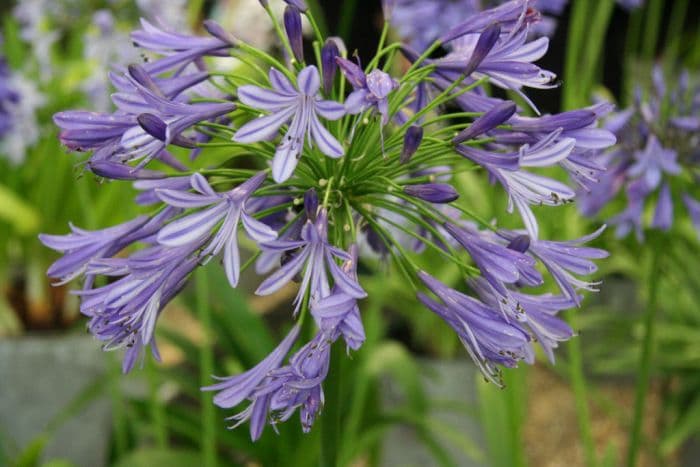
[448, 381]
[39, 377]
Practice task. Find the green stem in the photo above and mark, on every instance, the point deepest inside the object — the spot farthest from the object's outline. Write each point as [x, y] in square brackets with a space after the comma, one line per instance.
[651, 29]
[346, 16]
[675, 30]
[577, 27]
[320, 28]
[157, 413]
[330, 423]
[121, 436]
[646, 358]
[592, 52]
[634, 27]
[578, 383]
[194, 10]
[280, 34]
[206, 364]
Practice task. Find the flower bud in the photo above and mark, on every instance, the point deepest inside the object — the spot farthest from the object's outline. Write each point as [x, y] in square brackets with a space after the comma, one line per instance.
[311, 204]
[156, 127]
[299, 4]
[328, 64]
[153, 125]
[488, 121]
[292, 24]
[117, 171]
[215, 29]
[411, 142]
[520, 243]
[432, 192]
[487, 39]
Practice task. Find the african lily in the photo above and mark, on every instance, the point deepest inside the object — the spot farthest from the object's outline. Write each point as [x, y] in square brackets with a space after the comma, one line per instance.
[331, 171]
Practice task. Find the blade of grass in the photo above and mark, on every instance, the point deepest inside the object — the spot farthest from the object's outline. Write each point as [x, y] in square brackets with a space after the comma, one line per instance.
[209, 424]
[646, 357]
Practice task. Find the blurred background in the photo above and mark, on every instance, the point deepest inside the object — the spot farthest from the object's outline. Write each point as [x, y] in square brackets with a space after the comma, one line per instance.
[413, 398]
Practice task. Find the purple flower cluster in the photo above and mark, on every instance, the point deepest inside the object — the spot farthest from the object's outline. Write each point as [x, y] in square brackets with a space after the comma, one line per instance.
[419, 23]
[656, 159]
[327, 173]
[8, 96]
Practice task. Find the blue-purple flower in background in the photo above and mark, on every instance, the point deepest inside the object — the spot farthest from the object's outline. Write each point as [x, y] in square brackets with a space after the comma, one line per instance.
[655, 160]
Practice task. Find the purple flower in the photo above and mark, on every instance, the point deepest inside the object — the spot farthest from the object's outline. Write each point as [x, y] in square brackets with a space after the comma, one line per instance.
[225, 208]
[8, 97]
[508, 62]
[652, 162]
[657, 143]
[536, 314]
[123, 313]
[316, 256]
[499, 265]
[370, 90]
[663, 215]
[236, 389]
[489, 339]
[82, 246]
[277, 392]
[526, 188]
[302, 106]
[179, 49]
[338, 313]
[298, 385]
[148, 119]
[565, 260]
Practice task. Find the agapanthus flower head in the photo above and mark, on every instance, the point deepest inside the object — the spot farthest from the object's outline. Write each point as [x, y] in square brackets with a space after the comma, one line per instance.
[656, 157]
[322, 171]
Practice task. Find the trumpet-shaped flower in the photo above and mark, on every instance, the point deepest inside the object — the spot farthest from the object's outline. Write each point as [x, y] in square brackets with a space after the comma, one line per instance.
[302, 105]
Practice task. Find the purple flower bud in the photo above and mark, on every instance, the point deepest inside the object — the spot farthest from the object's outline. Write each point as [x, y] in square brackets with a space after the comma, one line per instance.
[311, 204]
[487, 39]
[663, 215]
[490, 120]
[411, 142]
[141, 76]
[299, 4]
[292, 24]
[432, 192]
[328, 64]
[353, 73]
[156, 127]
[215, 29]
[117, 171]
[153, 125]
[520, 243]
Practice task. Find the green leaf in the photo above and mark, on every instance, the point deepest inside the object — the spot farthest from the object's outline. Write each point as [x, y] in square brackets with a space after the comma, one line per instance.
[58, 463]
[684, 428]
[31, 454]
[15, 211]
[151, 457]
